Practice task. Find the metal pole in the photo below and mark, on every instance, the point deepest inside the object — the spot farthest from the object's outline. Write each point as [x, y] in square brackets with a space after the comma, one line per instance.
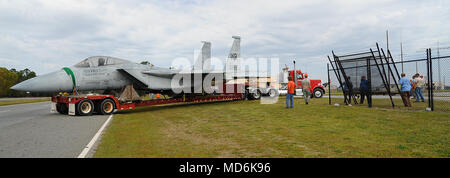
[345, 78]
[369, 81]
[329, 84]
[294, 78]
[390, 71]
[395, 67]
[388, 85]
[336, 72]
[428, 78]
[381, 74]
[431, 78]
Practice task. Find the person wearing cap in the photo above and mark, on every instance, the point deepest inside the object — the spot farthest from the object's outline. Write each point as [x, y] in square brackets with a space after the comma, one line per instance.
[290, 94]
[306, 88]
[413, 86]
[419, 83]
[404, 91]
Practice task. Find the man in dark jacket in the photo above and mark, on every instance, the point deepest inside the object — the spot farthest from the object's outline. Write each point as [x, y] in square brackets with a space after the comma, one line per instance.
[347, 91]
[364, 89]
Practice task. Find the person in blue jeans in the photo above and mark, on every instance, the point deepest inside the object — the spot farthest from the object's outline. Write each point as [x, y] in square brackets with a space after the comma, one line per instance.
[290, 93]
[364, 89]
[419, 82]
[404, 91]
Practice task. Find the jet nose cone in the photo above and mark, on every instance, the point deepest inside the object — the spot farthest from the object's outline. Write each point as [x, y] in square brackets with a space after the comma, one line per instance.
[19, 87]
[52, 82]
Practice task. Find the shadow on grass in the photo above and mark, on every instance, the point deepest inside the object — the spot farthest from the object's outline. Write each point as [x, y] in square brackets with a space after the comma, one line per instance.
[170, 106]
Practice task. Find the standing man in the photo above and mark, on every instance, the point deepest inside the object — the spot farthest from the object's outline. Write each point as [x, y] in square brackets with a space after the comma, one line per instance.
[347, 91]
[364, 89]
[404, 91]
[413, 86]
[291, 91]
[419, 83]
[306, 88]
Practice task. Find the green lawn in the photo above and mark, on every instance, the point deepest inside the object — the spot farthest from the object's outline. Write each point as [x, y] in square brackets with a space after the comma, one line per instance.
[439, 105]
[250, 129]
[24, 101]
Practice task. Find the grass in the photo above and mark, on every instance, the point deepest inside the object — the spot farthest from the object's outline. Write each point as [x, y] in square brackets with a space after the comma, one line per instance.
[439, 105]
[250, 129]
[24, 101]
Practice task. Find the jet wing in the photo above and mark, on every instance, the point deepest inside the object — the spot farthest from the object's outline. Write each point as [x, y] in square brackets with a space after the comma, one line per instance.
[160, 73]
[131, 74]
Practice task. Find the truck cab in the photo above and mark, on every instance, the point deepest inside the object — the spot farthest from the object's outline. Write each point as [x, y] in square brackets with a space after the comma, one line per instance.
[317, 89]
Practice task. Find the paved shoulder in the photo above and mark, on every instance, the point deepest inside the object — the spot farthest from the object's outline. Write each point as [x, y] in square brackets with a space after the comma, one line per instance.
[12, 99]
[30, 130]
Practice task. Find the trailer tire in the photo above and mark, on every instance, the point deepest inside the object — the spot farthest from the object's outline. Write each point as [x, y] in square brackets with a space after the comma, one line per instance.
[62, 108]
[85, 107]
[106, 107]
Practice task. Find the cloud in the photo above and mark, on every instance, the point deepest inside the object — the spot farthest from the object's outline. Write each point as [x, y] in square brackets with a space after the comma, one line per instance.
[61, 33]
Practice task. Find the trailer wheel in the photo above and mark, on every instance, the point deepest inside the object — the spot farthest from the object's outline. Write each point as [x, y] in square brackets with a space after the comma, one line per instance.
[318, 93]
[106, 107]
[62, 108]
[85, 107]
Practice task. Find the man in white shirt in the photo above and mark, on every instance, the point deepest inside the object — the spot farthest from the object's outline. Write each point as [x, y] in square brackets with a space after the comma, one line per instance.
[419, 82]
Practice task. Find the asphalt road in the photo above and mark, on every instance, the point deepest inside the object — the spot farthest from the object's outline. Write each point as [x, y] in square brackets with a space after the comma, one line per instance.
[31, 130]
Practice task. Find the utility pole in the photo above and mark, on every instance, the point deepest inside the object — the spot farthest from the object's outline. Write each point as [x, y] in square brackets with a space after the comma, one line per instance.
[417, 71]
[439, 65]
[387, 39]
[401, 54]
[387, 49]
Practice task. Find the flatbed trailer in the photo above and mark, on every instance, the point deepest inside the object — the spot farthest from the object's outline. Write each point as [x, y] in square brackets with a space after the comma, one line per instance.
[85, 105]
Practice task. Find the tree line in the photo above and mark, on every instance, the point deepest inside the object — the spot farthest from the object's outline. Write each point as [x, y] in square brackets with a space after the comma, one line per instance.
[9, 78]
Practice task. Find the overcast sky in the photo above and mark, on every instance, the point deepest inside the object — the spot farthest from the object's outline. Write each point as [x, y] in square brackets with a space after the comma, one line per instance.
[45, 36]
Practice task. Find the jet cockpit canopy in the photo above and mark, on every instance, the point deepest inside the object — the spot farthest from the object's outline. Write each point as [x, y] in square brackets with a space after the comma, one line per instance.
[97, 61]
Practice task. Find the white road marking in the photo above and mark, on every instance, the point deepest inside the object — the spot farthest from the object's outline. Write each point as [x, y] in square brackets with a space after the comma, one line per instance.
[89, 146]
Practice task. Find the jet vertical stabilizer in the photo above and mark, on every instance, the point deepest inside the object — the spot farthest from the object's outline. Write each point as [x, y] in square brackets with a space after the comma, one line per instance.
[203, 62]
[233, 65]
[235, 51]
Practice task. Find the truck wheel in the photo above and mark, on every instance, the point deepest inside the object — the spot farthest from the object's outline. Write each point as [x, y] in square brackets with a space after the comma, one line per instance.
[273, 93]
[256, 95]
[106, 107]
[318, 93]
[85, 107]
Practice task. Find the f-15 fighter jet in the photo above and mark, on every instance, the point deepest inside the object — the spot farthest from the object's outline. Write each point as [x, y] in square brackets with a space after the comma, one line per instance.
[113, 74]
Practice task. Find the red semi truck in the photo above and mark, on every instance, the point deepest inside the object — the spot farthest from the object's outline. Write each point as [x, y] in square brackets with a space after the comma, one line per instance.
[317, 89]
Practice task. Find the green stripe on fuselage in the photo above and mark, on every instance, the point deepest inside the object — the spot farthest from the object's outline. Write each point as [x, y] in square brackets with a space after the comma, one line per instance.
[69, 72]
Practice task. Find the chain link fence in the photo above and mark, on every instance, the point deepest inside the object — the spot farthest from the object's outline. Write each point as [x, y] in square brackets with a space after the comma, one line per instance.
[431, 67]
[439, 71]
